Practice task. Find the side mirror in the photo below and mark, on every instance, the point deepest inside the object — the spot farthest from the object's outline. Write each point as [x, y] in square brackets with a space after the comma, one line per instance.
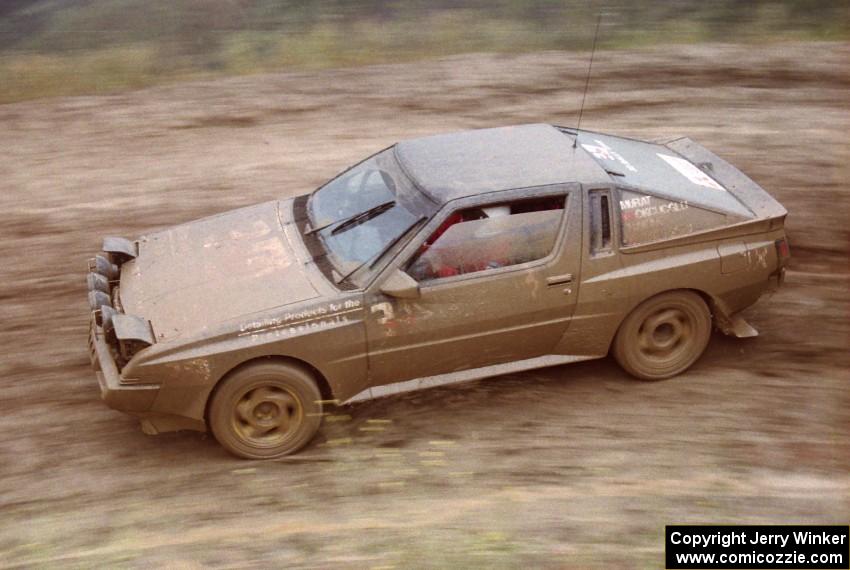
[401, 285]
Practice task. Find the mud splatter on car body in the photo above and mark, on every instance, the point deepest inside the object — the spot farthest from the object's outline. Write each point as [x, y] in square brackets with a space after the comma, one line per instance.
[437, 260]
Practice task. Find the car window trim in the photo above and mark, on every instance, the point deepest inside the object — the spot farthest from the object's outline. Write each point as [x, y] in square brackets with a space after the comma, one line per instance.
[613, 224]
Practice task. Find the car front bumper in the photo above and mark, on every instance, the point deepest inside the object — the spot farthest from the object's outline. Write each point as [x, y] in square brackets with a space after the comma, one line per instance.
[133, 399]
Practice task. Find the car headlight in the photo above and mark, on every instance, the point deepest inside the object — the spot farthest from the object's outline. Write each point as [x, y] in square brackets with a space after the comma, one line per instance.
[133, 334]
[97, 299]
[104, 267]
[107, 315]
[97, 282]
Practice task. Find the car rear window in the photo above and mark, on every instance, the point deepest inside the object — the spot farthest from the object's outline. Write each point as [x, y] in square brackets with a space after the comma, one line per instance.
[645, 218]
[658, 169]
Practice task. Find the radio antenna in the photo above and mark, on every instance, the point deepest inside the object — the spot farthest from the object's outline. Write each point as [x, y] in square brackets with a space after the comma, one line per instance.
[587, 79]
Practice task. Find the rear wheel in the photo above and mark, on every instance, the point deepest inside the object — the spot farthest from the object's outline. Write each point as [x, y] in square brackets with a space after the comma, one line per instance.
[663, 336]
[266, 410]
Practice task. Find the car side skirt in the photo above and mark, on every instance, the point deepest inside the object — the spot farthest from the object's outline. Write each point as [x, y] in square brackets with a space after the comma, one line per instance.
[468, 375]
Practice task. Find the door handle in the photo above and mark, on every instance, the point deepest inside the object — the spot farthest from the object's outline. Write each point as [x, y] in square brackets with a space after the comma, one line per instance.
[559, 279]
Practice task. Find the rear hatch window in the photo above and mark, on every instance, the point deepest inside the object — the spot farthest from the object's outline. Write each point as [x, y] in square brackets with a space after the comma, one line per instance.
[660, 171]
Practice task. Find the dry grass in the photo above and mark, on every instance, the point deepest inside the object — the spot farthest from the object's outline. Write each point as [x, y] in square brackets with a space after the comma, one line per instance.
[44, 69]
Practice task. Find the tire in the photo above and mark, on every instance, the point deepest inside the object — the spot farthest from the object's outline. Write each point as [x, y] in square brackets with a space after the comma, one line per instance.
[663, 336]
[266, 410]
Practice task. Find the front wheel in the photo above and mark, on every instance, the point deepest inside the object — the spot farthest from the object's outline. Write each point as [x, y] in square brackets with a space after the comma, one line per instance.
[663, 336]
[266, 410]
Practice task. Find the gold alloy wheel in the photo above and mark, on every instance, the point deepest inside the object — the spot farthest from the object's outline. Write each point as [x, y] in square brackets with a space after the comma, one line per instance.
[267, 415]
[266, 409]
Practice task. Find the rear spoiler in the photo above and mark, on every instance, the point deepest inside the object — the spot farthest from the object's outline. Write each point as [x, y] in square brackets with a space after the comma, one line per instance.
[742, 187]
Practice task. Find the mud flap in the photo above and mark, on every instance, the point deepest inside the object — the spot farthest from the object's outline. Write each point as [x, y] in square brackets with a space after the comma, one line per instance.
[731, 325]
[740, 328]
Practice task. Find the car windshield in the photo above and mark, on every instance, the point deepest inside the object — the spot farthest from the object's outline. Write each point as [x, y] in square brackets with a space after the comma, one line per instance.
[364, 211]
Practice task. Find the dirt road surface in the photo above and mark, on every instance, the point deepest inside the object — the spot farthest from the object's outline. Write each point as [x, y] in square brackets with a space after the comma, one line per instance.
[575, 466]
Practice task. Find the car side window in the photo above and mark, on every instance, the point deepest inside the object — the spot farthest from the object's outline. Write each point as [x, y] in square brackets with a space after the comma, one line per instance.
[490, 237]
[645, 218]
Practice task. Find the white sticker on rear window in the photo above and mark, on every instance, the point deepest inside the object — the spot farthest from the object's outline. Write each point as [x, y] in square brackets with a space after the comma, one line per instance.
[691, 172]
[604, 152]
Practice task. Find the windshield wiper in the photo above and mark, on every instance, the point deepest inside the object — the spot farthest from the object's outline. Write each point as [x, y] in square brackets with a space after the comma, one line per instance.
[354, 220]
[374, 259]
[362, 217]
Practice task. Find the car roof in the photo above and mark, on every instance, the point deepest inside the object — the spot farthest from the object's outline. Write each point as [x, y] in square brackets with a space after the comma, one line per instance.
[456, 165]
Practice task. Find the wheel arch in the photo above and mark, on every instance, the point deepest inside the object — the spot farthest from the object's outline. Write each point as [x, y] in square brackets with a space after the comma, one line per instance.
[676, 357]
[715, 307]
[710, 301]
[321, 382]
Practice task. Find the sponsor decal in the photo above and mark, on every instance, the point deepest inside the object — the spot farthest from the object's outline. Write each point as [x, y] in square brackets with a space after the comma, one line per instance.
[298, 328]
[604, 152]
[630, 203]
[297, 322]
[640, 208]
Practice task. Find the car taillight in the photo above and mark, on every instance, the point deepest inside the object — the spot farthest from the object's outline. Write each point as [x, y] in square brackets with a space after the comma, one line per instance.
[782, 250]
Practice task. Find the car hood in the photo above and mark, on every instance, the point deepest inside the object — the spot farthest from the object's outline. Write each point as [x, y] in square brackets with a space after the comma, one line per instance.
[213, 270]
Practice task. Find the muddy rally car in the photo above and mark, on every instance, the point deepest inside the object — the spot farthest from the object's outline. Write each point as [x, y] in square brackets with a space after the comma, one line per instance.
[440, 259]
